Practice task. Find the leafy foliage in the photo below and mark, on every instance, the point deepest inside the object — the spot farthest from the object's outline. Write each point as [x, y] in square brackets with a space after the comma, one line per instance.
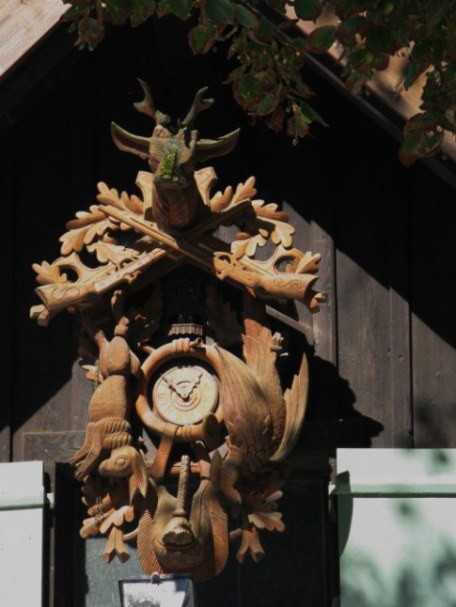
[267, 60]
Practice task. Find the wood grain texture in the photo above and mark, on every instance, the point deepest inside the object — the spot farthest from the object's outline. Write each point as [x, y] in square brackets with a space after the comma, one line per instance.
[373, 319]
[6, 310]
[24, 24]
[433, 290]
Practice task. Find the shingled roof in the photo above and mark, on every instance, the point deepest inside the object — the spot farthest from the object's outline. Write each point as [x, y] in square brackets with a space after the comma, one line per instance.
[23, 24]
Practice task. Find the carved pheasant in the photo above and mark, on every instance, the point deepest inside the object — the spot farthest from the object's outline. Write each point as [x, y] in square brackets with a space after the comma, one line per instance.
[262, 421]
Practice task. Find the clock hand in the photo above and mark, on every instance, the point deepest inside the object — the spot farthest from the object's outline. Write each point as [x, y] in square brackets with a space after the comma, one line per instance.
[189, 390]
[197, 381]
[171, 385]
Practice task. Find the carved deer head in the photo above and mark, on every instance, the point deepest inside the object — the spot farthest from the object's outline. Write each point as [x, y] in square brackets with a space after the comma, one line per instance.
[173, 151]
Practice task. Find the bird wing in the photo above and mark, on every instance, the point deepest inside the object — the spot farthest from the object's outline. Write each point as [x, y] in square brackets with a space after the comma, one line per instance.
[296, 405]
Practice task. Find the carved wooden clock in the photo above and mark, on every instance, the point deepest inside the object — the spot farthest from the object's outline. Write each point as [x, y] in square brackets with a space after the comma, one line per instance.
[184, 393]
[189, 362]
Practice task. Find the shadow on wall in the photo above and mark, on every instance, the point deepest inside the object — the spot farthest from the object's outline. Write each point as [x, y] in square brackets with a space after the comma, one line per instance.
[421, 582]
[400, 551]
[332, 420]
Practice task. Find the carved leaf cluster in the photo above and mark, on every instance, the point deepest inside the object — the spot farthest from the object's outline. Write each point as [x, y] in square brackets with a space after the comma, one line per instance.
[229, 198]
[93, 224]
[109, 511]
[48, 273]
[116, 254]
[268, 225]
[263, 505]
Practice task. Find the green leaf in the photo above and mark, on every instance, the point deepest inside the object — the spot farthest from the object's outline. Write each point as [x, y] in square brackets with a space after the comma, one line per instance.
[381, 11]
[265, 30]
[236, 46]
[348, 29]
[202, 37]
[310, 113]
[308, 10]
[74, 11]
[300, 43]
[141, 11]
[235, 74]
[276, 119]
[245, 17]
[421, 52]
[354, 82]
[181, 8]
[321, 39]
[277, 5]
[298, 125]
[440, 12]
[431, 143]
[250, 88]
[118, 10]
[345, 8]
[360, 57]
[269, 102]
[411, 143]
[220, 11]
[381, 40]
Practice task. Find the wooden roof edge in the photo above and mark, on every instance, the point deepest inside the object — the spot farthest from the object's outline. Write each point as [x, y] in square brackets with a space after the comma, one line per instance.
[386, 85]
[23, 25]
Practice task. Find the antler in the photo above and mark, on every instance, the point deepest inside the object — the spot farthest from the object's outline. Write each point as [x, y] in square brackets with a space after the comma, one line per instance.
[146, 106]
[199, 105]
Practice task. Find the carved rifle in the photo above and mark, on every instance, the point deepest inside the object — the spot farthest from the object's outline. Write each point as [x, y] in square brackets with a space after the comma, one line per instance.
[248, 273]
[59, 296]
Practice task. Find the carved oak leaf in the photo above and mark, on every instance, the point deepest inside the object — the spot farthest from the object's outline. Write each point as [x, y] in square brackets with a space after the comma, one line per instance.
[92, 373]
[116, 254]
[281, 232]
[222, 201]
[48, 273]
[76, 238]
[115, 546]
[86, 218]
[250, 543]
[109, 195]
[117, 517]
[123, 202]
[308, 263]
[267, 520]
[244, 191]
[89, 528]
[219, 202]
[247, 246]
[132, 203]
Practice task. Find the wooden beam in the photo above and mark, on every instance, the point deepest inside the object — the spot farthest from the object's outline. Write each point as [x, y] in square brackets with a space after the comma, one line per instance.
[23, 23]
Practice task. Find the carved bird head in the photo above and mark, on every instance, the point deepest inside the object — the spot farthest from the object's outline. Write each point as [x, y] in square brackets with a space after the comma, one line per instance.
[173, 151]
[127, 462]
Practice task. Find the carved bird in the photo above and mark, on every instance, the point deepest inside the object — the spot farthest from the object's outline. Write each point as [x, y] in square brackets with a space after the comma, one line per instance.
[109, 406]
[262, 421]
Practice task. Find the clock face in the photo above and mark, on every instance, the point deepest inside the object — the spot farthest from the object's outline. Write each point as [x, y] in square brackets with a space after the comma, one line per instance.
[185, 394]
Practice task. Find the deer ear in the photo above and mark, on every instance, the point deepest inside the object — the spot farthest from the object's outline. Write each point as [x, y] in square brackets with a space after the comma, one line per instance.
[127, 142]
[209, 148]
